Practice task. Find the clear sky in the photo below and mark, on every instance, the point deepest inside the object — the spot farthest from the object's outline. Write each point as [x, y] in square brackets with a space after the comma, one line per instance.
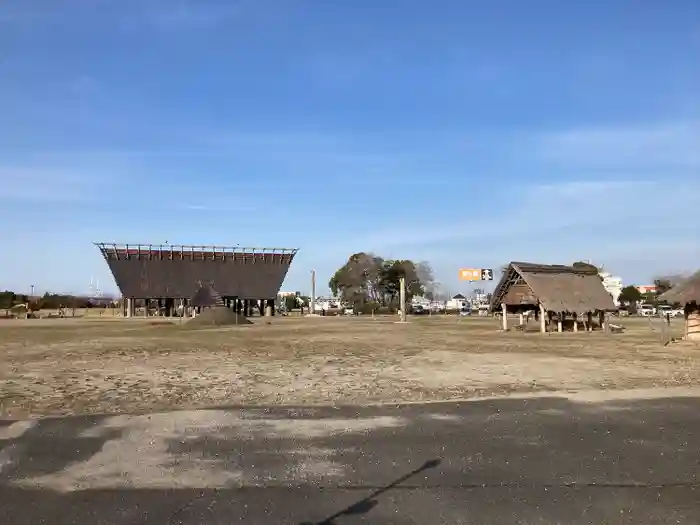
[465, 133]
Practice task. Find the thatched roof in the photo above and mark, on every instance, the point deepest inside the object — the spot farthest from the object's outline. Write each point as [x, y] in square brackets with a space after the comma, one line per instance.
[206, 296]
[558, 287]
[684, 292]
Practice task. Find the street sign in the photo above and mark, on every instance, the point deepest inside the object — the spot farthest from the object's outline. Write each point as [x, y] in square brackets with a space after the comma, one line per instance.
[470, 274]
[476, 274]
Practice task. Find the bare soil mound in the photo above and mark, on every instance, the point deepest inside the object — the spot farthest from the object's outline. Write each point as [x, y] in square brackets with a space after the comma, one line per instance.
[217, 316]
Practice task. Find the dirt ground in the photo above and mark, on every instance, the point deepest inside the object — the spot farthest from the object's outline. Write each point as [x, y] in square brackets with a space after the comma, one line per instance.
[64, 366]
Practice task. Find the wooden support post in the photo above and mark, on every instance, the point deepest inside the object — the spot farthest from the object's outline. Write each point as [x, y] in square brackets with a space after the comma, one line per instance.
[522, 320]
[312, 303]
[575, 322]
[590, 321]
[402, 297]
[692, 326]
[543, 319]
[560, 319]
[601, 320]
[504, 310]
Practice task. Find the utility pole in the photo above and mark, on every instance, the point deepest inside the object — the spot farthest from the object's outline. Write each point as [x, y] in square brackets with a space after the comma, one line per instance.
[313, 292]
[402, 298]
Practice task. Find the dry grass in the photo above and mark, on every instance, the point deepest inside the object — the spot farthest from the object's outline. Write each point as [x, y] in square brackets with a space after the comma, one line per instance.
[114, 365]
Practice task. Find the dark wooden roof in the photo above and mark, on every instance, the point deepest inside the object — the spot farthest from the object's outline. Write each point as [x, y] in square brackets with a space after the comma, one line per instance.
[148, 272]
[558, 287]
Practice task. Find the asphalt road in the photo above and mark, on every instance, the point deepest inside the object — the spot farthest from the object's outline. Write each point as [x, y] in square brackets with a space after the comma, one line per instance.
[537, 461]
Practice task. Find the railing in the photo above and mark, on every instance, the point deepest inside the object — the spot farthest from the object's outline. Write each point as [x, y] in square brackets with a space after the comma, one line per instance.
[192, 252]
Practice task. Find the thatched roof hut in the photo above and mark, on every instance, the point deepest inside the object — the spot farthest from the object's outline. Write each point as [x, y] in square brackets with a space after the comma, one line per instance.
[206, 297]
[551, 288]
[687, 293]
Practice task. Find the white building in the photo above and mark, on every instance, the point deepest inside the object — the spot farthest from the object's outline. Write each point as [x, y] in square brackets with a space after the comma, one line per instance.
[457, 302]
[613, 285]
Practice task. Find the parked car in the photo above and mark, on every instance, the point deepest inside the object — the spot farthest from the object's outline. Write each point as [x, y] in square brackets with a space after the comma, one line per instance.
[664, 309]
[419, 310]
[646, 310]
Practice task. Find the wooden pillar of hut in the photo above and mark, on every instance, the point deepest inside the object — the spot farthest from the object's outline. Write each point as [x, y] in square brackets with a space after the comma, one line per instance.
[543, 319]
[560, 319]
[575, 322]
[522, 319]
[601, 320]
[504, 310]
[589, 321]
[145, 307]
[183, 309]
[692, 326]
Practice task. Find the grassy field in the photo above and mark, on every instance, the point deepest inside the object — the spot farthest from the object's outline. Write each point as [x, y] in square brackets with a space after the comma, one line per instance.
[64, 366]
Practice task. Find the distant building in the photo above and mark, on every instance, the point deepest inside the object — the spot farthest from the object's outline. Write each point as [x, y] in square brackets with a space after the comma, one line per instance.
[457, 302]
[648, 288]
[612, 285]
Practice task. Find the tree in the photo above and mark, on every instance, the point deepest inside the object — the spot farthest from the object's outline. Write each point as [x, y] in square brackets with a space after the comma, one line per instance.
[390, 279]
[664, 283]
[358, 280]
[367, 278]
[290, 302]
[7, 300]
[629, 295]
[426, 277]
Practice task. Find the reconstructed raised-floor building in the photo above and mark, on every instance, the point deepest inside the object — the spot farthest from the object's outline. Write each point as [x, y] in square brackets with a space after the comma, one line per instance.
[168, 277]
[552, 290]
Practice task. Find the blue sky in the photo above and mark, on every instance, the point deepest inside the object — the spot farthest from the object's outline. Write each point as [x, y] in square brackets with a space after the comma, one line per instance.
[464, 133]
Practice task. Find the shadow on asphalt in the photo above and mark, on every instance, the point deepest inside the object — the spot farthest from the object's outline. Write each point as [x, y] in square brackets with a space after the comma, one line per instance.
[368, 503]
[545, 460]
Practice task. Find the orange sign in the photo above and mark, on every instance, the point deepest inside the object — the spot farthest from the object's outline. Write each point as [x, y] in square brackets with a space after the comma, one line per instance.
[470, 274]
